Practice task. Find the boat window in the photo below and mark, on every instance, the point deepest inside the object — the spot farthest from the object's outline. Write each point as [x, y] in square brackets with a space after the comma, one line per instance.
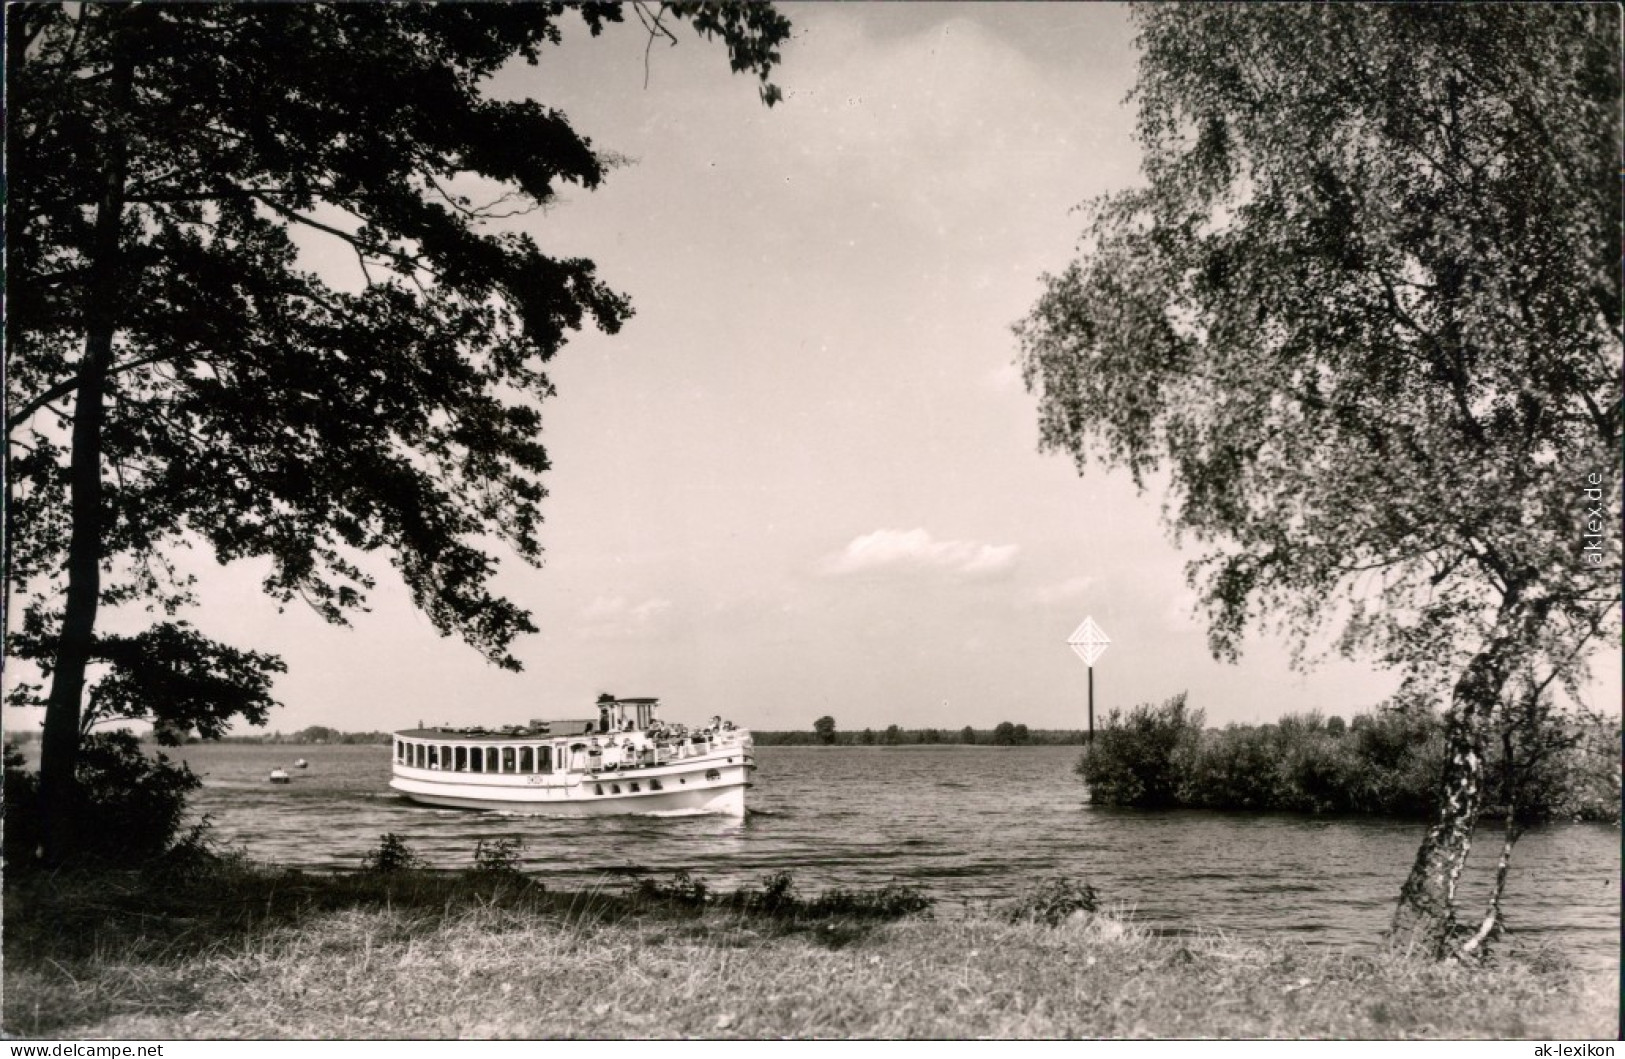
[508, 760]
[445, 758]
[712, 774]
[544, 759]
[527, 759]
[460, 758]
[476, 758]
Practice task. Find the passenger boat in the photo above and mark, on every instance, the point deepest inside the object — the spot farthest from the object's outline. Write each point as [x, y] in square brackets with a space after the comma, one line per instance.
[626, 760]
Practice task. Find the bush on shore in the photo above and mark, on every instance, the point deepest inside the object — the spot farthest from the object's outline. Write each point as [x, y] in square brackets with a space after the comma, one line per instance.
[1383, 763]
[131, 807]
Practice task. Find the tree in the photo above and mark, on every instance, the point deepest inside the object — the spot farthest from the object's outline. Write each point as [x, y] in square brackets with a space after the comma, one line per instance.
[1004, 734]
[1364, 321]
[967, 735]
[177, 375]
[892, 736]
[824, 730]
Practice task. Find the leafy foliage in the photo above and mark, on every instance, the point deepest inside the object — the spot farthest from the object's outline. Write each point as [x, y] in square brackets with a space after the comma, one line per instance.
[168, 674]
[1365, 316]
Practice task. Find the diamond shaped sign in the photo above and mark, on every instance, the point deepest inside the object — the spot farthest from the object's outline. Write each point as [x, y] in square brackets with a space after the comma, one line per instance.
[1088, 641]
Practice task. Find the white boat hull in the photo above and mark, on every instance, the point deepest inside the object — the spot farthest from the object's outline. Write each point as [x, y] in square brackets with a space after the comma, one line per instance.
[700, 785]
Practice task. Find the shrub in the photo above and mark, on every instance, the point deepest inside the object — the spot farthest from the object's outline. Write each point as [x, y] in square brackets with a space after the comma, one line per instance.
[1138, 759]
[392, 855]
[1576, 778]
[130, 808]
[1385, 763]
[1232, 769]
[777, 899]
[21, 809]
[1051, 902]
[776, 895]
[1397, 759]
[684, 891]
[500, 856]
[892, 901]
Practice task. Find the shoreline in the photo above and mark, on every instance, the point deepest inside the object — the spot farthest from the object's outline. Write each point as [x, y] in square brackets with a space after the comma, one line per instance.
[236, 951]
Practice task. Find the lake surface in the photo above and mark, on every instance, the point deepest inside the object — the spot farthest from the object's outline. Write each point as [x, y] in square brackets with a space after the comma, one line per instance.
[965, 824]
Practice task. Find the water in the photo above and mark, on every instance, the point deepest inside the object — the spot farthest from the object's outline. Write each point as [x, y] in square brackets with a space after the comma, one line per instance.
[963, 823]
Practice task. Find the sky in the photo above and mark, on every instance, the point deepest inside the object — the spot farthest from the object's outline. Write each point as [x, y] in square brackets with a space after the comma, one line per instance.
[804, 478]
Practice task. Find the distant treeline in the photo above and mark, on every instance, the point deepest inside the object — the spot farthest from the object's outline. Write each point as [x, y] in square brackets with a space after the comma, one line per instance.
[1006, 733]
[1386, 763]
[315, 735]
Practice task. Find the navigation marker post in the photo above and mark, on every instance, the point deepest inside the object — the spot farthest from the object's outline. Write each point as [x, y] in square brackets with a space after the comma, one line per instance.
[1089, 643]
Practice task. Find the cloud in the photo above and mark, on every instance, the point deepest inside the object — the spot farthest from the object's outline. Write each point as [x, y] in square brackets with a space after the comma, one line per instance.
[1071, 588]
[609, 616]
[914, 550]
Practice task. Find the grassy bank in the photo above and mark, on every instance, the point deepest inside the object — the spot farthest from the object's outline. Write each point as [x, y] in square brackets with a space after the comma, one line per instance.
[248, 953]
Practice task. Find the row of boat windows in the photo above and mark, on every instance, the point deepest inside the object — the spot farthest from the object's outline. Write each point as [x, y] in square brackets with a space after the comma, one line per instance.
[515, 759]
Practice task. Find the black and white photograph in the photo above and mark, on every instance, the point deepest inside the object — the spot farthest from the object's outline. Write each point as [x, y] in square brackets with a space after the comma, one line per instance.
[817, 522]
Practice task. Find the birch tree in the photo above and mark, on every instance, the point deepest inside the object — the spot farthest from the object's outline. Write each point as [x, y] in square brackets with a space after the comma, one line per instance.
[1361, 323]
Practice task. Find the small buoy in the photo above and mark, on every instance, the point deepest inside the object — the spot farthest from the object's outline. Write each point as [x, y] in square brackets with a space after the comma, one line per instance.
[301, 763]
[279, 776]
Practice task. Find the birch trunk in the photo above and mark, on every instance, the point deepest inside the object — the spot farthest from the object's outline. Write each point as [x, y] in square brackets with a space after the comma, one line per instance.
[1425, 920]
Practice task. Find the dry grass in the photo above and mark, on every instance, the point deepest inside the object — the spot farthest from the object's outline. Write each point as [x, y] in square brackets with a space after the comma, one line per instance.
[452, 957]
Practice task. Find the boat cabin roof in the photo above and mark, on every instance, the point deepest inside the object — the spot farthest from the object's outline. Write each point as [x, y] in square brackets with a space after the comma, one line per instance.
[518, 732]
[615, 711]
